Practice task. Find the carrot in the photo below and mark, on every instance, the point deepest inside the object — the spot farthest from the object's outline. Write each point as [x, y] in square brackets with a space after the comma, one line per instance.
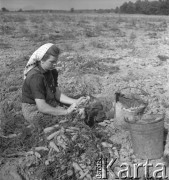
[76, 167]
[50, 152]
[83, 166]
[56, 125]
[62, 130]
[11, 136]
[74, 128]
[63, 121]
[63, 167]
[74, 133]
[53, 145]
[49, 129]
[50, 159]
[47, 162]
[53, 135]
[74, 137]
[69, 130]
[41, 148]
[61, 143]
[105, 144]
[85, 136]
[84, 174]
[64, 138]
[69, 172]
[37, 155]
[34, 153]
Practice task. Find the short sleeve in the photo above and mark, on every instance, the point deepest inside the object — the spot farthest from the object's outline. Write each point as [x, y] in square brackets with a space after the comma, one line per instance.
[55, 76]
[37, 87]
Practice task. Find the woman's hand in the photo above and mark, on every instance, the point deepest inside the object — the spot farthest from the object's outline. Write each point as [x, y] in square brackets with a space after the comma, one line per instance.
[79, 102]
[71, 108]
[82, 100]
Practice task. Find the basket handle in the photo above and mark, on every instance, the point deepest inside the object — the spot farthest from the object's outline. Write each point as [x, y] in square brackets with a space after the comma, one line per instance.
[129, 87]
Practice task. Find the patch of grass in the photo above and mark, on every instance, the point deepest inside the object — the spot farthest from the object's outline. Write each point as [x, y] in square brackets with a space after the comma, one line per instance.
[7, 29]
[36, 19]
[5, 45]
[133, 22]
[91, 32]
[24, 30]
[152, 35]
[126, 44]
[77, 67]
[120, 19]
[68, 47]
[14, 18]
[13, 88]
[163, 57]
[82, 46]
[164, 24]
[19, 18]
[82, 21]
[130, 24]
[86, 84]
[132, 36]
[94, 67]
[114, 27]
[106, 24]
[99, 44]
[109, 60]
[52, 37]
[156, 26]
[68, 34]
[115, 30]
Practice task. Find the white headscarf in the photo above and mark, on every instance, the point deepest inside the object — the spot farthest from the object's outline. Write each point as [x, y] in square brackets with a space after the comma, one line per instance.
[36, 56]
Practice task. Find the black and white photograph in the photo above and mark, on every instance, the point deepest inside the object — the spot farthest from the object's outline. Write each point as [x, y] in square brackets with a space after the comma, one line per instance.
[84, 91]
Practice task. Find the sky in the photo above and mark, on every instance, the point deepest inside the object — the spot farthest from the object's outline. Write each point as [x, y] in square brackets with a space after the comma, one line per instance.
[61, 4]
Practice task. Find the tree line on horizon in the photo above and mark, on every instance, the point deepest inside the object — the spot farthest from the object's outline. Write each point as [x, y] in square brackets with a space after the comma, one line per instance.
[156, 7]
[72, 10]
[160, 7]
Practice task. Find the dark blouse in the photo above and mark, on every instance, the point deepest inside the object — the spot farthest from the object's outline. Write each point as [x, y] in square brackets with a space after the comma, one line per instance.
[39, 84]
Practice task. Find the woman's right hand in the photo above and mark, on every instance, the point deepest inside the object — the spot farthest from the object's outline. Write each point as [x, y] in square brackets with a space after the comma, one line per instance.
[82, 100]
[77, 103]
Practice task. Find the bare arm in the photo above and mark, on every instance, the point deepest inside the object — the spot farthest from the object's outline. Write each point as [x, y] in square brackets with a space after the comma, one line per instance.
[63, 98]
[47, 109]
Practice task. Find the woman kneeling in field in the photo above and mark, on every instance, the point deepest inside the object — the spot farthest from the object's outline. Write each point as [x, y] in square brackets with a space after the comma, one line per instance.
[40, 91]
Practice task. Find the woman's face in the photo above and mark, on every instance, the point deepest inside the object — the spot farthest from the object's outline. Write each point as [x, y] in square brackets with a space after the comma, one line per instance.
[50, 63]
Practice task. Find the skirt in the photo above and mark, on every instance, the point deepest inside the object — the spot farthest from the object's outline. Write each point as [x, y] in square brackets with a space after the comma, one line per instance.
[36, 118]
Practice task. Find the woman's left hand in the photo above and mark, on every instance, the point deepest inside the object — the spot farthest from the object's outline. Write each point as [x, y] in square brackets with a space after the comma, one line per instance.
[71, 108]
[81, 100]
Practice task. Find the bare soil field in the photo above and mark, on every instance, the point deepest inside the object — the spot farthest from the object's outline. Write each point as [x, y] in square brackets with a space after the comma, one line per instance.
[101, 54]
